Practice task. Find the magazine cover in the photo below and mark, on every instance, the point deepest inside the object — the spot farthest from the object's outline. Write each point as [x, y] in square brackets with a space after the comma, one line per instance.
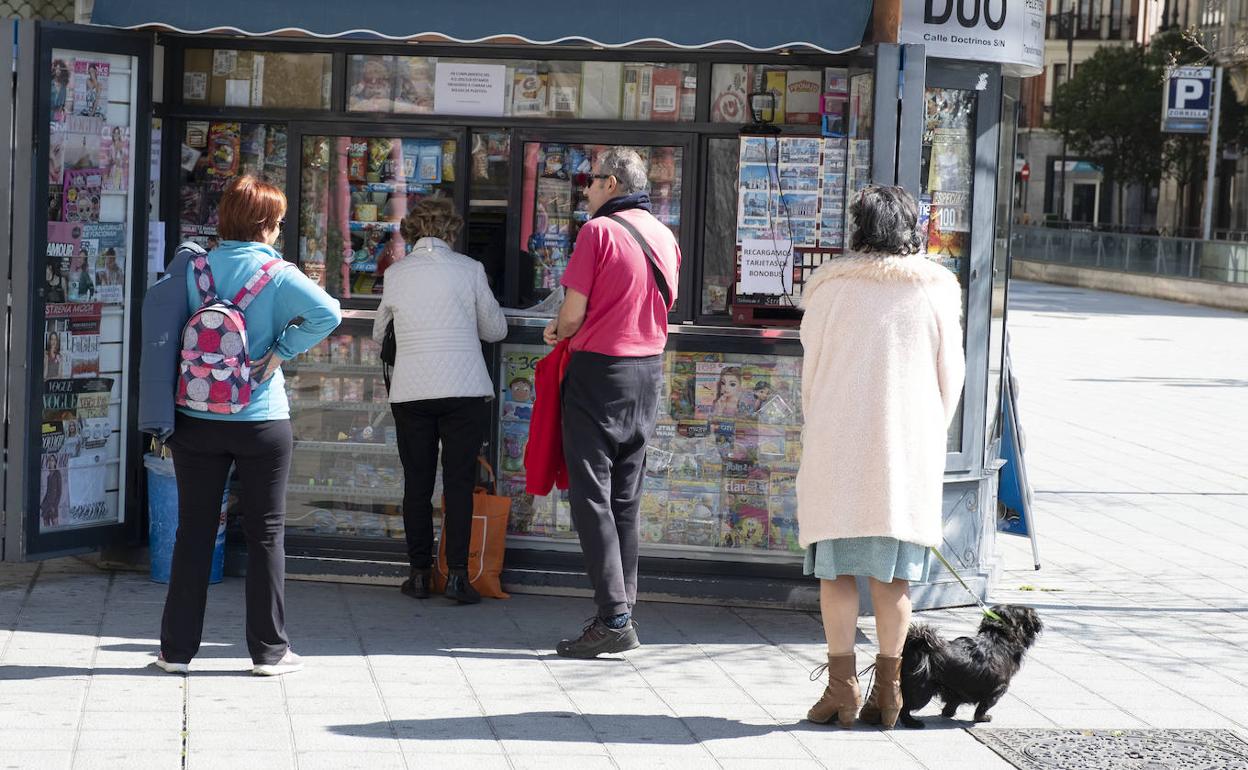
[718, 389]
[519, 367]
[372, 84]
[64, 240]
[514, 439]
[88, 481]
[82, 195]
[62, 93]
[694, 514]
[80, 278]
[84, 344]
[224, 150]
[665, 100]
[654, 516]
[56, 357]
[105, 246]
[744, 521]
[782, 529]
[730, 86]
[53, 487]
[529, 92]
[56, 153]
[413, 90]
[90, 87]
[565, 94]
[803, 90]
[114, 158]
[948, 231]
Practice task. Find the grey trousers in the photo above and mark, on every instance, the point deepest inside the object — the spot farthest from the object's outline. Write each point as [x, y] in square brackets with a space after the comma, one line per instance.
[610, 405]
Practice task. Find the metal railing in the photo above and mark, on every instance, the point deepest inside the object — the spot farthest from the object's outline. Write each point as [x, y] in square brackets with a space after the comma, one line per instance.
[1143, 254]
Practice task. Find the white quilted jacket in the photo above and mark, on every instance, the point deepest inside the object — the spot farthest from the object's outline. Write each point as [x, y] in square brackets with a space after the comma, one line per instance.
[442, 308]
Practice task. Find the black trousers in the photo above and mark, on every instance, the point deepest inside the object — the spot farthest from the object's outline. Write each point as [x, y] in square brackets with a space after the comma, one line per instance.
[203, 451]
[610, 405]
[460, 424]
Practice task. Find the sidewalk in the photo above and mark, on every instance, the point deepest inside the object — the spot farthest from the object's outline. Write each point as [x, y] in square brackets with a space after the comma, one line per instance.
[1134, 411]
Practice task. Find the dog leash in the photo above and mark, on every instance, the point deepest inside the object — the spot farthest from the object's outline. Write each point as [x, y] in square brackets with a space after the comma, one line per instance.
[982, 605]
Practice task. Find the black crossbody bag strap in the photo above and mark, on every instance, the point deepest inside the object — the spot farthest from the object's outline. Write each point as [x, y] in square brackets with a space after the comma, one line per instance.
[659, 279]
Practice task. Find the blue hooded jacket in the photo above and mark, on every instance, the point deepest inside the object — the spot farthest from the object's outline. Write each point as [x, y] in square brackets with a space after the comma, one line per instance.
[165, 313]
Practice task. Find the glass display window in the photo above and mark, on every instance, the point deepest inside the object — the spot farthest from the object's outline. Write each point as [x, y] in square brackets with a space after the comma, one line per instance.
[721, 468]
[213, 153]
[573, 90]
[946, 175]
[803, 95]
[355, 192]
[553, 205]
[345, 479]
[260, 79]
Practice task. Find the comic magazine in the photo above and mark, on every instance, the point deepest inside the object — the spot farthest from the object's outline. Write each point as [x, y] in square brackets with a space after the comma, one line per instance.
[694, 514]
[654, 516]
[224, 150]
[82, 195]
[519, 368]
[114, 158]
[782, 532]
[90, 87]
[514, 439]
[745, 520]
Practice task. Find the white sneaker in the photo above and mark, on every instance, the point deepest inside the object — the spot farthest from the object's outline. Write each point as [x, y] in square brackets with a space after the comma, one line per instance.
[289, 664]
[172, 668]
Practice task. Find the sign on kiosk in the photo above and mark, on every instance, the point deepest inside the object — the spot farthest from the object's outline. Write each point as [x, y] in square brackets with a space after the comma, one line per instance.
[1008, 32]
[1189, 100]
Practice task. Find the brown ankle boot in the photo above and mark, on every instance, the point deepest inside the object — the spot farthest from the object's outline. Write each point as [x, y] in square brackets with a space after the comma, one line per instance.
[883, 704]
[842, 697]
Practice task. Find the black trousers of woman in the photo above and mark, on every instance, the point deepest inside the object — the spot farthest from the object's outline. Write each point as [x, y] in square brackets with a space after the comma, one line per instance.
[203, 451]
[460, 424]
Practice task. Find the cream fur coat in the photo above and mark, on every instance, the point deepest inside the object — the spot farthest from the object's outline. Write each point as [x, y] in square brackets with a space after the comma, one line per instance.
[881, 379]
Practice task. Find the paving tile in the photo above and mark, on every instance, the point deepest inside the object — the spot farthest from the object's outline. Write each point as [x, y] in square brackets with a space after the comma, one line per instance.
[13, 759]
[232, 759]
[351, 760]
[131, 760]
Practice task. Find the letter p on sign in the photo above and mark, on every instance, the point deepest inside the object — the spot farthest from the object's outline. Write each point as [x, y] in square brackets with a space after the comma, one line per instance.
[1189, 93]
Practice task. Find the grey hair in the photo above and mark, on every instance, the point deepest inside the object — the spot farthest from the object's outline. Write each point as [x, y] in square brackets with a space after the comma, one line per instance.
[627, 167]
[885, 220]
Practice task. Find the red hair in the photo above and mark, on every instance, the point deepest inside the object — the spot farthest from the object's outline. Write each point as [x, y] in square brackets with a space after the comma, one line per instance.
[248, 208]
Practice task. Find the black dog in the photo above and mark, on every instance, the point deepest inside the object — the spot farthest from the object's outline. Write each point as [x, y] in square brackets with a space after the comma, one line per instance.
[967, 669]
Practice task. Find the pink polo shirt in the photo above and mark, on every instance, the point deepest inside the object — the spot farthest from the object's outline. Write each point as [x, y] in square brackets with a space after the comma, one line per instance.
[625, 315]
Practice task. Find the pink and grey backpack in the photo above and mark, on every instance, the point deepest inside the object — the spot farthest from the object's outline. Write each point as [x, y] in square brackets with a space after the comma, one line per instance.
[214, 371]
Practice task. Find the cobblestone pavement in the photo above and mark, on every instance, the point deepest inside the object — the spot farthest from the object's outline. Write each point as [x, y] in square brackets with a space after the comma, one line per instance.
[1134, 410]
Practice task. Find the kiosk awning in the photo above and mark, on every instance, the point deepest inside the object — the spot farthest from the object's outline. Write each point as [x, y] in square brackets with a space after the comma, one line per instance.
[832, 26]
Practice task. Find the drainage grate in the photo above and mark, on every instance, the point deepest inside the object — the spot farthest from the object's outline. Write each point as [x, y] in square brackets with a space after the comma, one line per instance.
[1117, 749]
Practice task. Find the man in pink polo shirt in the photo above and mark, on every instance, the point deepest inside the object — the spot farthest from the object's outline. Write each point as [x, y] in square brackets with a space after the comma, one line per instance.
[615, 312]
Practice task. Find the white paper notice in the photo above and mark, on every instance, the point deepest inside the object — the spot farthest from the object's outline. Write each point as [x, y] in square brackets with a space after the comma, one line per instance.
[155, 249]
[469, 89]
[766, 267]
[238, 93]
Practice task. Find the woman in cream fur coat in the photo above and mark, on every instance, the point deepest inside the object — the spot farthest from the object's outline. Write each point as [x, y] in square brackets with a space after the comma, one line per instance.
[881, 380]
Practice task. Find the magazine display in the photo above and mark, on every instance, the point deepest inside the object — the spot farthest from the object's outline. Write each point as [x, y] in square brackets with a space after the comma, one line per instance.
[218, 151]
[721, 468]
[82, 279]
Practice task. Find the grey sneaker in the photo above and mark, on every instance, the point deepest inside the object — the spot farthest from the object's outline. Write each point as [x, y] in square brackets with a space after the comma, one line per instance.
[598, 638]
[171, 668]
[289, 664]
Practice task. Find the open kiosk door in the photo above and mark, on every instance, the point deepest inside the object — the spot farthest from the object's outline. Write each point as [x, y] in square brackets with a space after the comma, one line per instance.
[77, 250]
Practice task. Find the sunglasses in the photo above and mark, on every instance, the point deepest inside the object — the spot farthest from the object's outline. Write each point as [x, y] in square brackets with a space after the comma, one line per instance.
[587, 180]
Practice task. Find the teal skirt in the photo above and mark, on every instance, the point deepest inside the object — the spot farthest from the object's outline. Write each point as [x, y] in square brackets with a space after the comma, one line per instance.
[884, 558]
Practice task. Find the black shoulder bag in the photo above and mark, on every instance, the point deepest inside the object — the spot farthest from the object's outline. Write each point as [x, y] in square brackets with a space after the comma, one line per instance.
[659, 279]
[389, 350]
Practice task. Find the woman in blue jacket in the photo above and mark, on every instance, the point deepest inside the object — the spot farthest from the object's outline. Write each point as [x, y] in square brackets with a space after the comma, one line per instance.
[257, 440]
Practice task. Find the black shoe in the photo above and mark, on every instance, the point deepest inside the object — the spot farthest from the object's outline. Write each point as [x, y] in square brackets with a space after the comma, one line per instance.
[459, 589]
[598, 638]
[417, 586]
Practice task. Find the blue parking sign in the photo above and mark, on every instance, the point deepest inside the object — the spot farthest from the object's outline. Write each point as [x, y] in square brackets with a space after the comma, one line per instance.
[1189, 100]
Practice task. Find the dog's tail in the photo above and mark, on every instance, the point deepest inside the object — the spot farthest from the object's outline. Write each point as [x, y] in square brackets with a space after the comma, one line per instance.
[923, 644]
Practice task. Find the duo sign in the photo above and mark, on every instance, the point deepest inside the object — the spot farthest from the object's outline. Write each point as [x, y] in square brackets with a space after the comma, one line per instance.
[1189, 100]
[1008, 32]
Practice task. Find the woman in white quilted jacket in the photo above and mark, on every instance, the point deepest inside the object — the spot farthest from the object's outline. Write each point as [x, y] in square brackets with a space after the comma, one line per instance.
[442, 307]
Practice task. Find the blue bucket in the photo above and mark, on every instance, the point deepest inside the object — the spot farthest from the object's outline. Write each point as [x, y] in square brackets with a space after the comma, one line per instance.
[162, 518]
